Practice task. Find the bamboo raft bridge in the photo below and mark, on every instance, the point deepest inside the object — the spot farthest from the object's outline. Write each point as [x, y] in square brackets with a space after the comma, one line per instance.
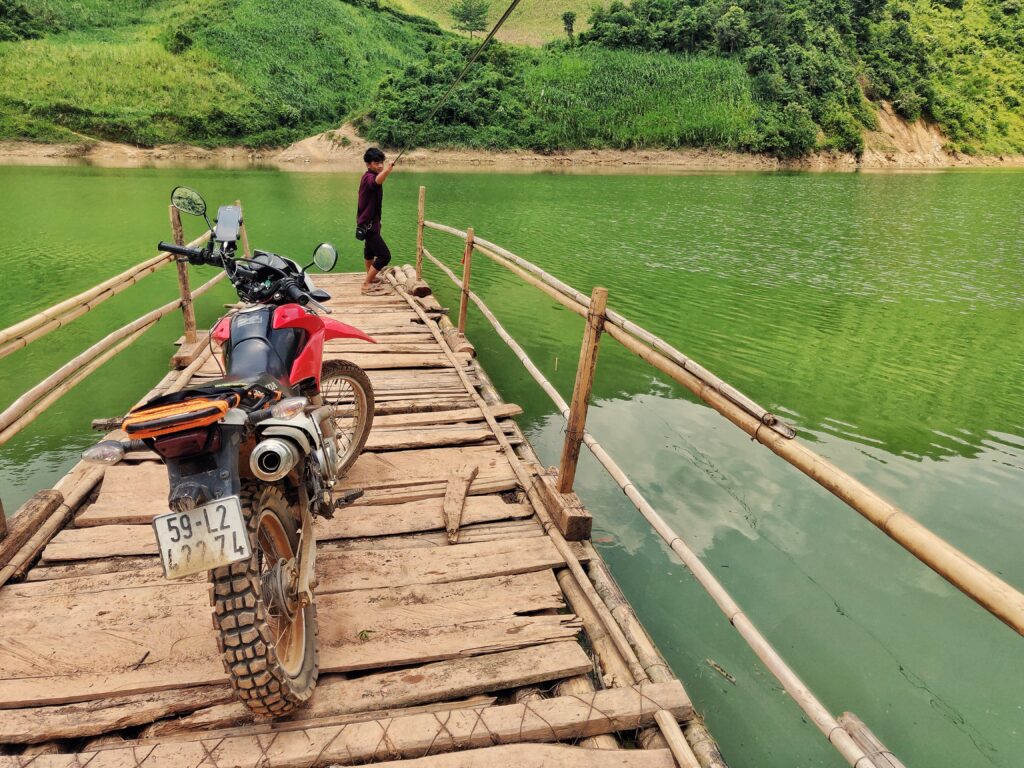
[465, 618]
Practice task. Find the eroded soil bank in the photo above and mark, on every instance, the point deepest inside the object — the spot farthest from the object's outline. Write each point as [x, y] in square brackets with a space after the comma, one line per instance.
[897, 145]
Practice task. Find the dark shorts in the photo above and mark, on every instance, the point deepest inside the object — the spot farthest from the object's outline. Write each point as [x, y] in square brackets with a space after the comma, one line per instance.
[376, 250]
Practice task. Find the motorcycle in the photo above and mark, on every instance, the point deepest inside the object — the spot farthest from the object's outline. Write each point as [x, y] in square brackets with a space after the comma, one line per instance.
[253, 457]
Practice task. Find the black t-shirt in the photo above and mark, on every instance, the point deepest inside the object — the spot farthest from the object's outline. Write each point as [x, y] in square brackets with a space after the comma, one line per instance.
[371, 201]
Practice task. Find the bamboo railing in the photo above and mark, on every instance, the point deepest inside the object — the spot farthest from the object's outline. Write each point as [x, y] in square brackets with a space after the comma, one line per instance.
[998, 597]
[24, 410]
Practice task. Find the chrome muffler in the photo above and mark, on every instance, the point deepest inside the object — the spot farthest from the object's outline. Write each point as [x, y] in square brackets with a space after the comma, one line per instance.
[273, 458]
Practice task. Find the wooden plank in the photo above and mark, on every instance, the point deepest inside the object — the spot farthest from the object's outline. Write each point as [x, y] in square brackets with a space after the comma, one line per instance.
[540, 756]
[26, 521]
[384, 348]
[459, 415]
[91, 718]
[129, 494]
[426, 437]
[459, 481]
[374, 362]
[511, 529]
[361, 521]
[131, 541]
[548, 720]
[386, 520]
[405, 468]
[118, 635]
[134, 494]
[370, 569]
[439, 681]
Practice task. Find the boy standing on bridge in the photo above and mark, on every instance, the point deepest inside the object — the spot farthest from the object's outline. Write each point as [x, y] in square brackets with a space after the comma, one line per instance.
[368, 215]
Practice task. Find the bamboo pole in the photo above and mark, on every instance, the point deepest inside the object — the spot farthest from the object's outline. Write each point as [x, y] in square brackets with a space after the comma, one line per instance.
[3, 521]
[25, 403]
[28, 330]
[58, 392]
[187, 310]
[504, 257]
[74, 486]
[421, 207]
[467, 257]
[581, 391]
[704, 577]
[669, 726]
[245, 233]
[992, 593]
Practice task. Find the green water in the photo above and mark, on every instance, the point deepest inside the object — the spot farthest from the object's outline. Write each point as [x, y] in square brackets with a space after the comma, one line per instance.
[880, 314]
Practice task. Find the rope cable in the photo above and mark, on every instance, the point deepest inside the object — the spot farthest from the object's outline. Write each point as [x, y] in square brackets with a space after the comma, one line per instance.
[465, 69]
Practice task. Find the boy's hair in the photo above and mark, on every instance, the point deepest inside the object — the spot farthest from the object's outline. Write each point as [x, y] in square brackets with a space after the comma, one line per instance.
[372, 155]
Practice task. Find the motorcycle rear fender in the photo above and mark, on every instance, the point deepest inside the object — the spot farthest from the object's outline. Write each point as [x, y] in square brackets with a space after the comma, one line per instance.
[209, 476]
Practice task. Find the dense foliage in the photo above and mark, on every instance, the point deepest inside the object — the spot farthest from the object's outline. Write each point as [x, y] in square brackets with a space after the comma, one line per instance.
[515, 98]
[780, 76]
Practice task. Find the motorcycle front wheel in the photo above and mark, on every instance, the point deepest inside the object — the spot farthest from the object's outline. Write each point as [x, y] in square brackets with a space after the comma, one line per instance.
[347, 389]
[267, 639]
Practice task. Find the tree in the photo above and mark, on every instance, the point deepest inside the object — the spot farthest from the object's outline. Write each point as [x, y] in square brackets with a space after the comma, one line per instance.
[471, 15]
[569, 22]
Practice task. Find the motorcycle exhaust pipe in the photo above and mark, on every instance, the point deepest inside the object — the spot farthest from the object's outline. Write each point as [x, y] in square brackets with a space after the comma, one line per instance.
[273, 458]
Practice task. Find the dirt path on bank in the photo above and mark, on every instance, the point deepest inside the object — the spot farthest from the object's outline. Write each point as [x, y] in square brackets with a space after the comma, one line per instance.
[897, 145]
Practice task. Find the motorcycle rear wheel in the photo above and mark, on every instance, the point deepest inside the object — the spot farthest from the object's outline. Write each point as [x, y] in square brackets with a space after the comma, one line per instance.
[268, 643]
[346, 387]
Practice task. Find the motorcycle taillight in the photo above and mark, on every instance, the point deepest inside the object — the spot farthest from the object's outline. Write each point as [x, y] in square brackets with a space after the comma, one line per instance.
[190, 443]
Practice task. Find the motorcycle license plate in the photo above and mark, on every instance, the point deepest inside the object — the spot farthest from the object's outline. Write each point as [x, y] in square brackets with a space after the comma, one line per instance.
[201, 539]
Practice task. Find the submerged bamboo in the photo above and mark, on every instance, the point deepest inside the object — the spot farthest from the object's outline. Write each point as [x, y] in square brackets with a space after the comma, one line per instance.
[992, 593]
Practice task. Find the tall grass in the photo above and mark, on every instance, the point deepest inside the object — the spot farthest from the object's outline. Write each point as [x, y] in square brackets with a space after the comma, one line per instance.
[252, 72]
[624, 99]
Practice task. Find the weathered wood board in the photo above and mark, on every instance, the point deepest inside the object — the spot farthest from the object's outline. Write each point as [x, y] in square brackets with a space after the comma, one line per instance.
[121, 634]
[336, 695]
[547, 720]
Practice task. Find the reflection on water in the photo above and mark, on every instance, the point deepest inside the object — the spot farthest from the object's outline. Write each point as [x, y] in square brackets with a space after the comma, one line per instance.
[880, 314]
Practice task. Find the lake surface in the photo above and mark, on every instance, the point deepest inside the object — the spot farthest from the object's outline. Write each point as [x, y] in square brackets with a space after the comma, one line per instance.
[879, 314]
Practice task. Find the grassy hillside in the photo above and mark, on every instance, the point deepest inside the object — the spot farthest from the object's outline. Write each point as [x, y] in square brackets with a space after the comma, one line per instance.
[254, 72]
[779, 76]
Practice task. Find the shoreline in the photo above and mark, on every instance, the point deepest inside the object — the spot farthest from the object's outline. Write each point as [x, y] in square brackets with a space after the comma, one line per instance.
[342, 151]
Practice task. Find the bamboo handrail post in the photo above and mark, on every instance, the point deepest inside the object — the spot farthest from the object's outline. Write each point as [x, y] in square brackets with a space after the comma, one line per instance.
[245, 232]
[419, 233]
[3, 522]
[187, 310]
[467, 257]
[581, 391]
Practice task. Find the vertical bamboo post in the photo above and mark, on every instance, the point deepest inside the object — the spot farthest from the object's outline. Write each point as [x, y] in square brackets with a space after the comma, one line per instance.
[419, 234]
[581, 391]
[245, 234]
[187, 310]
[3, 522]
[467, 256]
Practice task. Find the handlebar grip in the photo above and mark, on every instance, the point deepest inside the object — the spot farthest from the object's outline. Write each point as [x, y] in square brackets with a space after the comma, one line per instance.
[296, 294]
[181, 250]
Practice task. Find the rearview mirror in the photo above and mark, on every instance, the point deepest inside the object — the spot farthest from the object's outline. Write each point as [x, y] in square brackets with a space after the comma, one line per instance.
[325, 257]
[188, 201]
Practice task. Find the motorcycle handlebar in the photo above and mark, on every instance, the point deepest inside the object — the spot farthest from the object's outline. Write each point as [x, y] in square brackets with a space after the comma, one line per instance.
[181, 250]
[296, 294]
